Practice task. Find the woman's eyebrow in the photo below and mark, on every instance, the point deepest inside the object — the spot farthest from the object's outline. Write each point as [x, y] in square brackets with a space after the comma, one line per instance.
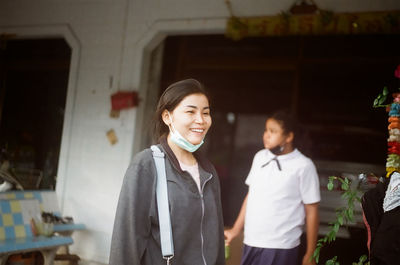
[195, 107]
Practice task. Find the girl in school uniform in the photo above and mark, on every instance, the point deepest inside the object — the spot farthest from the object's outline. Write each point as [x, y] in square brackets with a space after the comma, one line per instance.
[283, 196]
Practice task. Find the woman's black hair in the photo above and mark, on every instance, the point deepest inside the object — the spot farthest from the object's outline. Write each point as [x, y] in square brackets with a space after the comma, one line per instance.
[170, 98]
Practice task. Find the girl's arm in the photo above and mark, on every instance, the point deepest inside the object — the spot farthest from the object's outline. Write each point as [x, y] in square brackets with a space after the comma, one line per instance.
[238, 226]
[312, 223]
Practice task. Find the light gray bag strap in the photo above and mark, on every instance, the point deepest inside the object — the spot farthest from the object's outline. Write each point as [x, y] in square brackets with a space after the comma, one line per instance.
[164, 219]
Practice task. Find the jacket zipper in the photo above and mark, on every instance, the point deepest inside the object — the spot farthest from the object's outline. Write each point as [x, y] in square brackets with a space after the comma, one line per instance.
[202, 218]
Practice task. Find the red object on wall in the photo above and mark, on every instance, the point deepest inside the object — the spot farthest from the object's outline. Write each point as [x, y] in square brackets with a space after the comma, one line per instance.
[124, 100]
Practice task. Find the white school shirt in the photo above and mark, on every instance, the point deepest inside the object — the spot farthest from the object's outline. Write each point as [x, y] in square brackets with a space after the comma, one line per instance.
[275, 212]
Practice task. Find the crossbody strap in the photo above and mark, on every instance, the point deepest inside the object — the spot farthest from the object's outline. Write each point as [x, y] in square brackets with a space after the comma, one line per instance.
[164, 219]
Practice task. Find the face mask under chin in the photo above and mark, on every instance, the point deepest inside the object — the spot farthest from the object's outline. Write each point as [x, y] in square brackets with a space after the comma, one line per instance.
[179, 140]
[277, 150]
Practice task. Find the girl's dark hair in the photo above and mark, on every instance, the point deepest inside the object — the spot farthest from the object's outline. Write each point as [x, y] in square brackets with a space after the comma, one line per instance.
[288, 123]
[170, 98]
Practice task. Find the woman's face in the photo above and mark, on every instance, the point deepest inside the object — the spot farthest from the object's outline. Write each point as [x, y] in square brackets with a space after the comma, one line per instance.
[274, 134]
[191, 117]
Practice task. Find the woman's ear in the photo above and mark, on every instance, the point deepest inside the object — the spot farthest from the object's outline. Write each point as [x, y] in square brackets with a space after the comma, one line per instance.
[166, 117]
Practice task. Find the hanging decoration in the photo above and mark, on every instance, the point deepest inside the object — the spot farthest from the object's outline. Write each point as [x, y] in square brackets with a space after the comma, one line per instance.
[112, 136]
[124, 100]
[305, 18]
[393, 109]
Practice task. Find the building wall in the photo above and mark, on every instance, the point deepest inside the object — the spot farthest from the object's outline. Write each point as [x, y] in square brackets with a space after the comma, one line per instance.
[111, 44]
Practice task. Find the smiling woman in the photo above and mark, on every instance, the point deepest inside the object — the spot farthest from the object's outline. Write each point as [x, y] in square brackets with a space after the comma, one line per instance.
[181, 122]
[192, 120]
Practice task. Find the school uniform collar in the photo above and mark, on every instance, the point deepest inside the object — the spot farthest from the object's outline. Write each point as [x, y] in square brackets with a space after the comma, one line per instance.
[270, 157]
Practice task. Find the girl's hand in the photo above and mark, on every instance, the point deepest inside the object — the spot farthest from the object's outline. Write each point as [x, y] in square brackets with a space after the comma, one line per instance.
[229, 235]
[307, 260]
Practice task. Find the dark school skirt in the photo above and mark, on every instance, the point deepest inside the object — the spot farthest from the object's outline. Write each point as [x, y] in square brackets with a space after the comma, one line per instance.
[269, 256]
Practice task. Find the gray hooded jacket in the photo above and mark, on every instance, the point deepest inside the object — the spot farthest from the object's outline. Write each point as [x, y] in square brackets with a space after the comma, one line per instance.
[196, 217]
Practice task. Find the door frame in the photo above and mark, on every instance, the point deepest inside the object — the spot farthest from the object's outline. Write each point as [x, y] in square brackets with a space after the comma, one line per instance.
[64, 31]
[146, 53]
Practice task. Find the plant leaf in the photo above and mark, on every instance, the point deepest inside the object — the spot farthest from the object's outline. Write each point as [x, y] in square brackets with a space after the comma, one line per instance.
[363, 258]
[336, 228]
[381, 100]
[340, 219]
[385, 91]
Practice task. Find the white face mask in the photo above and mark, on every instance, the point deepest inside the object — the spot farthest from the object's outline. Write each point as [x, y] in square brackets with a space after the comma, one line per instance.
[179, 140]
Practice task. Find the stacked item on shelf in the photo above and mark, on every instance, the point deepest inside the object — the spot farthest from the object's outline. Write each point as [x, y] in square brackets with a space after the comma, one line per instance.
[393, 159]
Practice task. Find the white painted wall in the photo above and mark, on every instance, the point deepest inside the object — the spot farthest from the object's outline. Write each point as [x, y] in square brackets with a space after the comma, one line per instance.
[112, 39]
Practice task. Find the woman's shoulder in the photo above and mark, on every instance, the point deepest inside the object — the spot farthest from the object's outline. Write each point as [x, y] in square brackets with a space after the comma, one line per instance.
[144, 157]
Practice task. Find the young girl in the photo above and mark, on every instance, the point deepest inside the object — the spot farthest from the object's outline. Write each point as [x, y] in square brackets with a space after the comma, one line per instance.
[283, 194]
[181, 122]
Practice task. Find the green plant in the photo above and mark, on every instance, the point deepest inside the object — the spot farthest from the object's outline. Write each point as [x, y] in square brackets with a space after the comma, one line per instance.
[343, 216]
[381, 98]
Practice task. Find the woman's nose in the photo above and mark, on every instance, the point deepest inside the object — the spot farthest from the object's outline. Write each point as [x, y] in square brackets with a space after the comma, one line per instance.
[199, 118]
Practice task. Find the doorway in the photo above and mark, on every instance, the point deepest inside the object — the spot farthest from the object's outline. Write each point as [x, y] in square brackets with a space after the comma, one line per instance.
[328, 82]
[34, 80]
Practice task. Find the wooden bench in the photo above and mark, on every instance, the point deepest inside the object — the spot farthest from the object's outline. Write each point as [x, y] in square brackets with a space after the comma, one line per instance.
[17, 208]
